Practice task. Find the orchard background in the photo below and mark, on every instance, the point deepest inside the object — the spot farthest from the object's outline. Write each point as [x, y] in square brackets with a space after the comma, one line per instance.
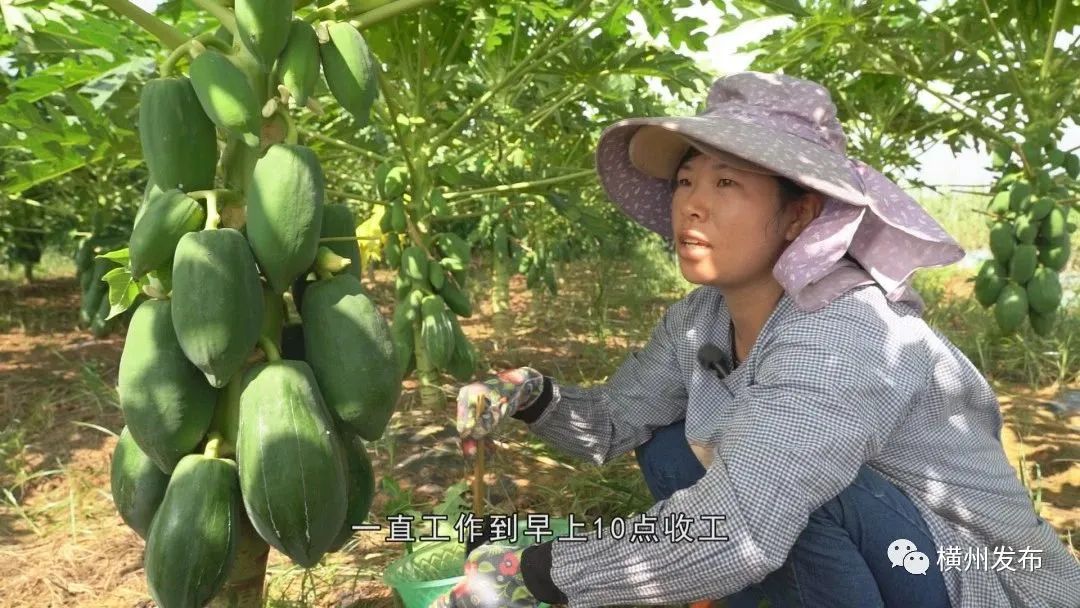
[483, 126]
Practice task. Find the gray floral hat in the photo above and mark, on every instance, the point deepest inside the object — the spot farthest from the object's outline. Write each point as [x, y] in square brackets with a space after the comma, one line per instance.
[779, 124]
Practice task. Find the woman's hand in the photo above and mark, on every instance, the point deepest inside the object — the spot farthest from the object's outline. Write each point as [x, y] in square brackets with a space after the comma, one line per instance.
[492, 580]
[497, 398]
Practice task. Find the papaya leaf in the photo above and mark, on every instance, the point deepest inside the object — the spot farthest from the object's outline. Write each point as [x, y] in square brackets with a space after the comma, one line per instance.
[123, 290]
[120, 256]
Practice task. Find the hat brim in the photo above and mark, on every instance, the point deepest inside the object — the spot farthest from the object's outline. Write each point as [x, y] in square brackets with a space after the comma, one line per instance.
[657, 151]
[647, 199]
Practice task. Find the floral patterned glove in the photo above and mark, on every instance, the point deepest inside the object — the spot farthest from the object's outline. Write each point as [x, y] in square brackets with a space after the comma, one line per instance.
[492, 580]
[509, 392]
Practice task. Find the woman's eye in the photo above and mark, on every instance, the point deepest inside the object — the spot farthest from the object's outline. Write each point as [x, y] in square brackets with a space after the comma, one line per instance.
[725, 181]
[682, 181]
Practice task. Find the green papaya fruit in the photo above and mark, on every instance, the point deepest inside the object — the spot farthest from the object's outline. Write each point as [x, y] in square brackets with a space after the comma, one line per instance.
[1044, 291]
[85, 276]
[462, 364]
[285, 211]
[1055, 256]
[194, 536]
[178, 139]
[264, 27]
[166, 217]
[393, 184]
[361, 489]
[97, 290]
[402, 286]
[999, 205]
[339, 222]
[1042, 207]
[989, 282]
[137, 484]
[291, 461]
[1053, 229]
[298, 66]
[414, 301]
[1027, 228]
[402, 332]
[436, 332]
[456, 299]
[393, 250]
[386, 223]
[84, 255]
[1072, 165]
[226, 97]
[1011, 308]
[167, 403]
[437, 276]
[1018, 196]
[349, 70]
[452, 264]
[1043, 324]
[100, 324]
[453, 245]
[397, 217]
[414, 263]
[217, 301]
[1023, 262]
[1002, 241]
[351, 352]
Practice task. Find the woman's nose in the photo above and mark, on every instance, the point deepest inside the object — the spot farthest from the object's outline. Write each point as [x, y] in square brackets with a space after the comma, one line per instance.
[694, 204]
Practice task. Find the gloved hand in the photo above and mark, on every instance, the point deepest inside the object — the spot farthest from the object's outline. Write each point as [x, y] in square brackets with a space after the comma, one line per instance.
[509, 392]
[492, 580]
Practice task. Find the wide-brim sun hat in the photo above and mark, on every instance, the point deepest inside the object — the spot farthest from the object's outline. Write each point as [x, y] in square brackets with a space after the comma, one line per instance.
[787, 126]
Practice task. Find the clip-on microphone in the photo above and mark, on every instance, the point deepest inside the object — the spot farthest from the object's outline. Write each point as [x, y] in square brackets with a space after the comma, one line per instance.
[711, 357]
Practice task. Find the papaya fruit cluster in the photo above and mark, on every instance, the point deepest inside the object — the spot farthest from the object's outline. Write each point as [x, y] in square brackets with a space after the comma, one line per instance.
[1029, 236]
[430, 288]
[89, 271]
[222, 420]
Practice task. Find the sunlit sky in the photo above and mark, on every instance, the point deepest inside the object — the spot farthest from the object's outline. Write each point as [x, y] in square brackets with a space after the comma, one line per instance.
[939, 166]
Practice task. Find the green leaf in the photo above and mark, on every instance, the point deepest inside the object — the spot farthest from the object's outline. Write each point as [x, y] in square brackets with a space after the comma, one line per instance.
[123, 290]
[521, 593]
[120, 256]
[485, 567]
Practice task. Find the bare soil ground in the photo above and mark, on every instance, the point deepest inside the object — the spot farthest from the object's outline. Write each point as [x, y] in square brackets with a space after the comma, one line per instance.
[63, 544]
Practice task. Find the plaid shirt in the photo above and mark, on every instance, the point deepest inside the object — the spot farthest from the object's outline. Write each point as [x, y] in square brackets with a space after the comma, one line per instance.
[861, 381]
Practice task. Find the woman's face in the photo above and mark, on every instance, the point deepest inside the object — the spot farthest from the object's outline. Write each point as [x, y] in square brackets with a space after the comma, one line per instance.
[736, 213]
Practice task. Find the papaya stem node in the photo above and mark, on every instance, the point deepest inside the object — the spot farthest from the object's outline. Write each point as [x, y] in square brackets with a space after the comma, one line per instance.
[270, 107]
[327, 263]
[271, 349]
[213, 218]
[213, 445]
[168, 67]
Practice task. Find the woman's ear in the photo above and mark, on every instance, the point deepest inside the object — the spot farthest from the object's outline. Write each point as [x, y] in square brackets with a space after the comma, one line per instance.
[805, 210]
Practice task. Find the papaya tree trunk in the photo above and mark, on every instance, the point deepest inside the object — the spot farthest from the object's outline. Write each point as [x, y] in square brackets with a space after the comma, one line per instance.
[501, 318]
[244, 587]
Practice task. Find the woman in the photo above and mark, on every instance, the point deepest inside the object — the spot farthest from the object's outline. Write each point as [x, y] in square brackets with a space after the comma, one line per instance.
[852, 451]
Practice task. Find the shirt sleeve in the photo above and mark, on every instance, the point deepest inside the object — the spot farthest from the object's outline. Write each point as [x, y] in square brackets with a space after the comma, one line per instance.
[646, 392]
[821, 404]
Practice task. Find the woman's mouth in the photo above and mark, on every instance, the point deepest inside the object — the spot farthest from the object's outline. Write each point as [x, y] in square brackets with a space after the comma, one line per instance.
[693, 250]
